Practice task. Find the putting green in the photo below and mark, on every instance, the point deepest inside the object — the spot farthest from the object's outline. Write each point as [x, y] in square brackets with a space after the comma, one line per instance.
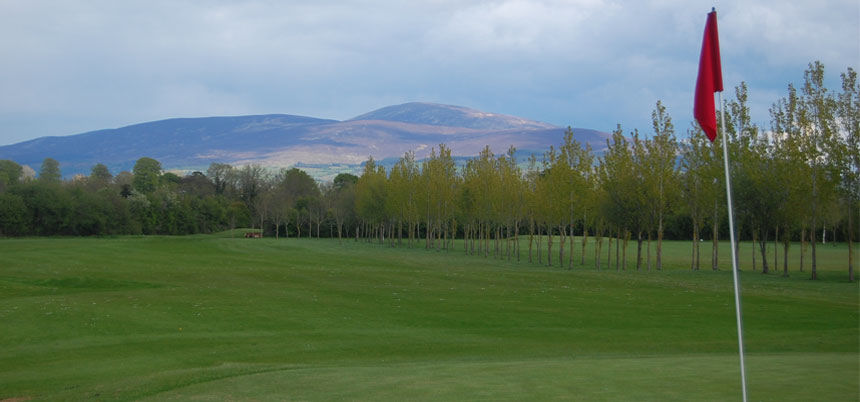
[682, 378]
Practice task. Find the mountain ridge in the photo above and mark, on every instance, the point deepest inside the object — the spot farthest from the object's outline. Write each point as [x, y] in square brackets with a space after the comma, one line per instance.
[325, 147]
[436, 114]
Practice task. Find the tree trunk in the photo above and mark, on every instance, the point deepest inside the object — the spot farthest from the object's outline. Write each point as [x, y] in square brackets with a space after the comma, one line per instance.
[754, 242]
[648, 251]
[786, 241]
[427, 234]
[584, 240]
[814, 222]
[763, 247]
[517, 237]
[737, 246]
[479, 236]
[624, 251]
[450, 234]
[548, 245]
[466, 239]
[693, 256]
[507, 237]
[540, 245]
[775, 248]
[812, 240]
[473, 235]
[531, 237]
[570, 254]
[617, 247]
[501, 241]
[715, 239]
[439, 240]
[487, 233]
[660, 243]
[698, 248]
[850, 257]
[454, 234]
[639, 250]
[850, 244]
[609, 251]
[802, 247]
[561, 239]
[467, 236]
[474, 232]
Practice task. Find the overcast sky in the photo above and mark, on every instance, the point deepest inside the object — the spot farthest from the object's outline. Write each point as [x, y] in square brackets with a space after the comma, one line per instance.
[74, 66]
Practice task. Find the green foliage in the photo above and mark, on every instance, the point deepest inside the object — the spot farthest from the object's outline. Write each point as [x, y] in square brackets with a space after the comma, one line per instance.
[793, 180]
[13, 213]
[343, 179]
[249, 183]
[147, 172]
[702, 185]
[622, 194]
[98, 206]
[50, 171]
[170, 179]
[370, 193]
[10, 173]
[197, 184]
[299, 184]
[101, 173]
[219, 173]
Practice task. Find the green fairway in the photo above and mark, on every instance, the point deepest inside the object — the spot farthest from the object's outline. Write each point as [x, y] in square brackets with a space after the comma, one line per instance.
[216, 317]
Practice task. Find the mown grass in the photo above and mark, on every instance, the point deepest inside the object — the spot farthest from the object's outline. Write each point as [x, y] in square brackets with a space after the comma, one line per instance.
[217, 317]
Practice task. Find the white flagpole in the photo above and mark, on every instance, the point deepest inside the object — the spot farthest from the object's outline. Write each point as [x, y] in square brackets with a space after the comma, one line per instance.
[738, 312]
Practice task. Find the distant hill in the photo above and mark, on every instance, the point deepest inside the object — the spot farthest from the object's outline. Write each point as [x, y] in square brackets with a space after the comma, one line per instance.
[451, 116]
[322, 147]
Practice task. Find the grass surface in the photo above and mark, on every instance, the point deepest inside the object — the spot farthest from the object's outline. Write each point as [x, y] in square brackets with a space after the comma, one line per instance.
[215, 317]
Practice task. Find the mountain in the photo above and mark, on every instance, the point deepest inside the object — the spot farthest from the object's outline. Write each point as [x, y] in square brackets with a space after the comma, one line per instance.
[451, 116]
[320, 146]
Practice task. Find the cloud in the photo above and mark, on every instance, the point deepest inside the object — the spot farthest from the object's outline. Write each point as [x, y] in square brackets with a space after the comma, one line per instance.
[76, 66]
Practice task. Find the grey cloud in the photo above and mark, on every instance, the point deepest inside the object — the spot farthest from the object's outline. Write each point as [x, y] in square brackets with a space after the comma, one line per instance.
[77, 66]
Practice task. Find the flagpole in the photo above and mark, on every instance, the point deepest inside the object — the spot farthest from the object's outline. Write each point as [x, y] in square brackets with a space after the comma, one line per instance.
[738, 312]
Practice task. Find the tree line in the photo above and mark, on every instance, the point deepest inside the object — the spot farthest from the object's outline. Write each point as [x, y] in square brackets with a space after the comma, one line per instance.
[792, 181]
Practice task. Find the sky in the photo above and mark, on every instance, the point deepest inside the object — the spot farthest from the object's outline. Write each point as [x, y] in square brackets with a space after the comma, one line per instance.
[68, 67]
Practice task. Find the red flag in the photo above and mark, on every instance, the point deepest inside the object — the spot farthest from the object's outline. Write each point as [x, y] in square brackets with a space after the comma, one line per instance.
[710, 79]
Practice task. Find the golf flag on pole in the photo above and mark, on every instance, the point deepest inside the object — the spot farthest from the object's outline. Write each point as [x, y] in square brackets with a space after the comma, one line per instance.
[710, 79]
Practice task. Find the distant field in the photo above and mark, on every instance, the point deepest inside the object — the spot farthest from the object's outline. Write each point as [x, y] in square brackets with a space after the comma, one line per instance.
[216, 317]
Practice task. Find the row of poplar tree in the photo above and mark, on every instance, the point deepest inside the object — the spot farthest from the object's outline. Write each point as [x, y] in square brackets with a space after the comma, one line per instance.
[790, 181]
[799, 176]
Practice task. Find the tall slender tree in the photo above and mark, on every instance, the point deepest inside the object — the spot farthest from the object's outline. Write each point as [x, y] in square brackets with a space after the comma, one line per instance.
[147, 172]
[819, 147]
[662, 169]
[50, 171]
[848, 111]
